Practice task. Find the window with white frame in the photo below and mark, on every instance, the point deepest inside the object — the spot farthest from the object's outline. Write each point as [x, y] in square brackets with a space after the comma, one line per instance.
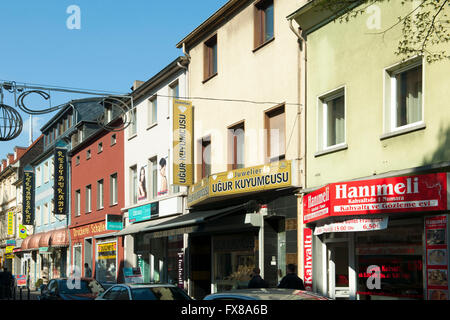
[46, 168]
[38, 216]
[331, 120]
[152, 111]
[133, 184]
[113, 191]
[52, 168]
[52, 214]
[38, 177]
[88, 199]
[100, 194]
[133, 123]
[404, 95]
[45, 214]
[77, 203]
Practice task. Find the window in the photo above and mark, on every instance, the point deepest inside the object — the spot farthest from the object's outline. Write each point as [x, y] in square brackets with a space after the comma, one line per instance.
[45, 214]
[77, 203]
[236, 146]
[133, 185]
[175, 90]
[108, 114]
[38, 177]
[100, 147]
[133, 125]
[113, 139]
[88, 154]
[52, 168]
[38, 216]
[153, 177]
[113, 191]
[264, 22]
[210, 58]
[51, 213]
[153, 111]
[405, 95]
[46, 172]
[100, 194]
[276, 134]
[77, 160]
[206, 157]
[88, 198]
[332, 120]
[80, 135]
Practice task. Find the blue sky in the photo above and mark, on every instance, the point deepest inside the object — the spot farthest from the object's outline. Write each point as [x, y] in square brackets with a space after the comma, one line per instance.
[119, 42]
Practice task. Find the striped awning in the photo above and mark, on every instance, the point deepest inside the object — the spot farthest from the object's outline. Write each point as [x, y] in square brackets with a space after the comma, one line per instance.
[59, 238]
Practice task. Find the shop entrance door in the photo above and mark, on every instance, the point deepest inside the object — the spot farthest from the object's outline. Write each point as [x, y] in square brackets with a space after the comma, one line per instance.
[338, 270]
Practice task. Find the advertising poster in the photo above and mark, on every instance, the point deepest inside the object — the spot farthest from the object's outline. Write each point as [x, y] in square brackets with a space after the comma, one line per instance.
[28, 198]
[183, 174]
[163, 177]
[142, 185]
[106, 261]
[436, 257]
[60, 183]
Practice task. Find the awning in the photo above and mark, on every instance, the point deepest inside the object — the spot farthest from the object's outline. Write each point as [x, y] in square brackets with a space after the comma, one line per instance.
[34, 241]
[45, 239]
[195, 218]
[25, 243]
[59, 238]
[139, 227]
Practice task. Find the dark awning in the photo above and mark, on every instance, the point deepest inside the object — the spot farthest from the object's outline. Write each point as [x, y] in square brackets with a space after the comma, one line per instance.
[195, 218]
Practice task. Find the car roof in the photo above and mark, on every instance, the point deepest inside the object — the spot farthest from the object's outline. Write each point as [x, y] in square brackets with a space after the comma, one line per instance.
[267, 294]
[145, 285]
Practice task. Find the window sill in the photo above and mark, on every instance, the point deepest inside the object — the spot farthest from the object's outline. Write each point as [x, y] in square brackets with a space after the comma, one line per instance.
[331, 150]
[418, 126]
[210, 77]
[263, 44]
[152, 125]
[132, 136]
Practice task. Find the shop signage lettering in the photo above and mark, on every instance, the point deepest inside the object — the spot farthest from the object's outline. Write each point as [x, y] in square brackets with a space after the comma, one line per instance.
[393, 195]
[60, 183]
[28, 198]
[89, 230]
[21, 280]
[9, 249]
[353, 225]
[307, 254]
[106, 251]
[182, 143]
[259, 178]
[144, 212]
[180, 269]
[10, 221]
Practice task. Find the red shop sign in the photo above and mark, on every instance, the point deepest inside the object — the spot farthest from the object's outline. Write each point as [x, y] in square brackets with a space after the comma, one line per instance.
[389, 195]
[307, 255]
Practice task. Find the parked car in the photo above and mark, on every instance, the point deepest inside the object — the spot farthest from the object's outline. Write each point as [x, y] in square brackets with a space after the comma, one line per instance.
[265, 294]
[69, 289]
[143, 291]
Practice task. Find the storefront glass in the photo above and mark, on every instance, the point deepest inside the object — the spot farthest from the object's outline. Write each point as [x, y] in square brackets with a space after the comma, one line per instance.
[234, 256]
[77, 260]
[106, 262]
[174, 247]
[390, 263]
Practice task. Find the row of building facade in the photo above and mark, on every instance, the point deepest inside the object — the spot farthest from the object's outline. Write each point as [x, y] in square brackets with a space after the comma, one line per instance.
[312, 143]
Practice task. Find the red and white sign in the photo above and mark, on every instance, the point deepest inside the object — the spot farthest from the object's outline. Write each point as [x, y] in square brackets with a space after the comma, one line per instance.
[352, 225]
[307, 256]
[389, 195]
[21, 280]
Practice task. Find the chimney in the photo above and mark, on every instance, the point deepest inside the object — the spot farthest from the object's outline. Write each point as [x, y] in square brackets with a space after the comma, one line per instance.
[136, 84]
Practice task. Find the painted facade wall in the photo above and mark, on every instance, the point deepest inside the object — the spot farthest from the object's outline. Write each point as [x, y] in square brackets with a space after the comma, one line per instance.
[347, 55]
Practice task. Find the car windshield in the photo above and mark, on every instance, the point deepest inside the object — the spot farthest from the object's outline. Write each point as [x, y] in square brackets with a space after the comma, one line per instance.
[80, 287]
[158, 293]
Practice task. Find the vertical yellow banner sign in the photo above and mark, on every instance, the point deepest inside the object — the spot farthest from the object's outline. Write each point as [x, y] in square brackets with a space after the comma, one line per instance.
[182, 143]
[10, 223]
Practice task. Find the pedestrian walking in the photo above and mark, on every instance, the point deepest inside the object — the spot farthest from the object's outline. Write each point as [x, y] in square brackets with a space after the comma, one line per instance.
[87, 271]
[291, 280]
[257, 281]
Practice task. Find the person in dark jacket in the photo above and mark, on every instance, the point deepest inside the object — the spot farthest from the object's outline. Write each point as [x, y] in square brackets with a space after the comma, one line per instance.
[291, 280]
[257, 281]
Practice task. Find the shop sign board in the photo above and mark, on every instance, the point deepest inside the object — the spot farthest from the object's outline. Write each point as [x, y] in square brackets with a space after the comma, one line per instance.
[145, 212]
[28, 197]
[388, 195]
[308, 259]
[22, 232]
[9, 249]
[60, 183]
[183, 173]
[133, 275]
[252, 179]
[10, 221]
[436, 244]
[21, 280]
[114, 222]
[180, 269]
[91, 229]
[353, 225]
[10, 242]
[9, 256]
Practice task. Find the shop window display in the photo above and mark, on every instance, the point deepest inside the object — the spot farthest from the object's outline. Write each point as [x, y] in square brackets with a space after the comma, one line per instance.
[106, 262]
[397, 253]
